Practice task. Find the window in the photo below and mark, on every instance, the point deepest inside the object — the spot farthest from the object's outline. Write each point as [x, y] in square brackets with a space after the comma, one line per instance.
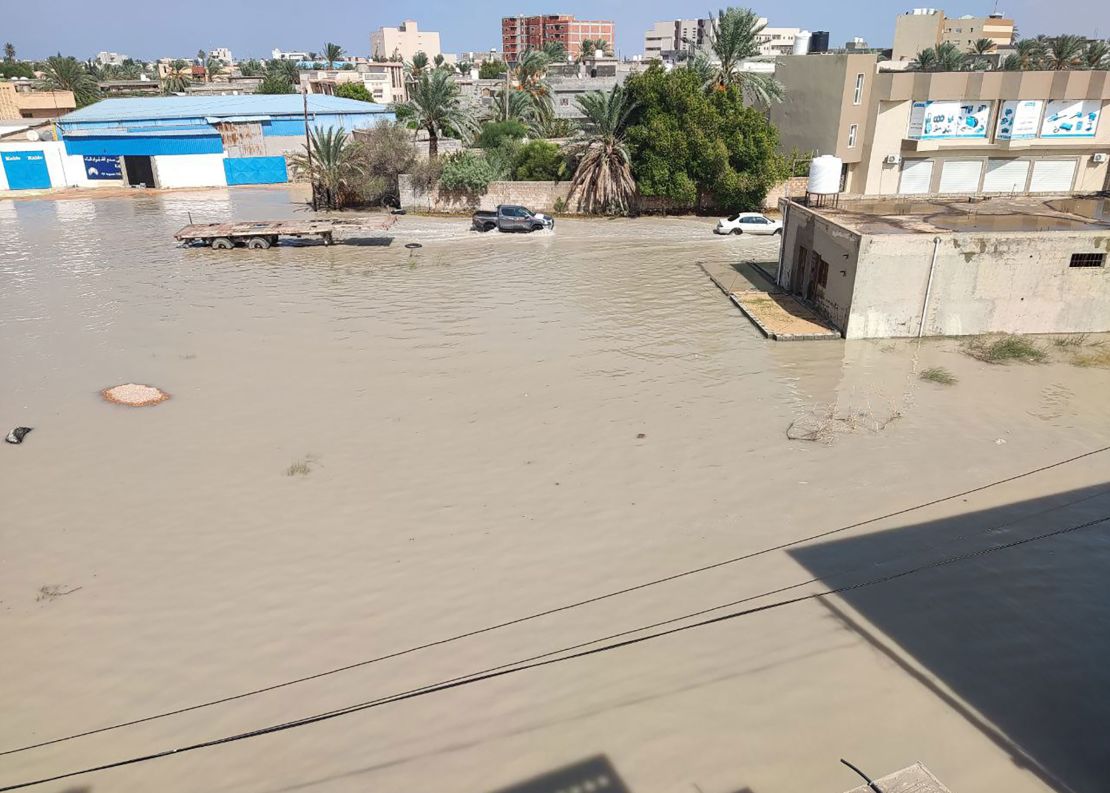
[563, 102]
[858, 96]
[1087, 260]
[852, 130]
[822, 272]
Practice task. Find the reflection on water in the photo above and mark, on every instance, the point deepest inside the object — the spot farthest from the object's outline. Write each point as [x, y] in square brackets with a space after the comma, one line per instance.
[497, 424]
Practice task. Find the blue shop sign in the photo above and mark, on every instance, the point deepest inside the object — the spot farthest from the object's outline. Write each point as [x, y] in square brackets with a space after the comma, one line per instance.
[99, 166]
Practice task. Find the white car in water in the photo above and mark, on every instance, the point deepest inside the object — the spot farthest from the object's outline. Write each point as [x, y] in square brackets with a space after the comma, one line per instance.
[748, 223]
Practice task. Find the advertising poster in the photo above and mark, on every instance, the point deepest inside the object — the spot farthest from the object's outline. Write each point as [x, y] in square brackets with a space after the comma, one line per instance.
[1019, 119]
[937, 120]
[1071, 118]
[102, 167]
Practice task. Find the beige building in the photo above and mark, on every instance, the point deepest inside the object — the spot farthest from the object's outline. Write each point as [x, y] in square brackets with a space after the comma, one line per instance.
[672, 35]
[948, 133]
[20, 100]
[405, 40]
[385, 81]
[923, 28]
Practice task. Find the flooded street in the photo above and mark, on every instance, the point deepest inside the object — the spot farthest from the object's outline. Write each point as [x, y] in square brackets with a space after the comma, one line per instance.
[370, 447]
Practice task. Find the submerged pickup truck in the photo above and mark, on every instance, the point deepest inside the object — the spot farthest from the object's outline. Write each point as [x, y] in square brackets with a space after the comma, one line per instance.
[510, 217]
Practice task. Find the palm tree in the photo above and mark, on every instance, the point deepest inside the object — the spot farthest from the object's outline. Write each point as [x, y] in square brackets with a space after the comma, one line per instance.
[286, 69]
[418, 65]
[734, 39]
[175, 81]
[589, 47]
[464, 67]
[333, 167]
[1029, 53]
[982, 47]
[67, 74]
[555, 52]
[1064, 52]
[703, 67]
[1097, 55]
[603, 179]
[250, 68]
[201, 55]
[531, 77]
[945, 57]
[275, 83]
[9, 53]
[512, 104]
[435, 105]
[332, 53]
[212, 67]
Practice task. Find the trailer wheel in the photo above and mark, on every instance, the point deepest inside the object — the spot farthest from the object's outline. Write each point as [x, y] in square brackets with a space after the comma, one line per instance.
[223, 244]
[258, 243]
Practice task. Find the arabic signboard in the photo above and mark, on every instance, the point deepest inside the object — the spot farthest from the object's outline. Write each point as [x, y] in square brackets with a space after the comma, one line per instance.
[102, 167]
[938, 120]
[1071, 118]
[1020, 119]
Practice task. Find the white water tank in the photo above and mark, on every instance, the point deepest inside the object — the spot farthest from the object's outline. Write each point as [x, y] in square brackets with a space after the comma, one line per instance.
[801, 43]
[824, 175]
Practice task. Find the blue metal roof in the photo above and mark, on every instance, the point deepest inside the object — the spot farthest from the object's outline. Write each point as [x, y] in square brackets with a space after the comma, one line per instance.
[170, 107]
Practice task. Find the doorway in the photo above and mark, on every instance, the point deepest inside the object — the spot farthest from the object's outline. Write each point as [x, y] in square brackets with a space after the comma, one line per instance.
[140, 171]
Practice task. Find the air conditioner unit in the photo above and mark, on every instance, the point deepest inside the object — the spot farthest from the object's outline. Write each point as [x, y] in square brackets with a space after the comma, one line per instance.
[893, 159]
[1099, 157]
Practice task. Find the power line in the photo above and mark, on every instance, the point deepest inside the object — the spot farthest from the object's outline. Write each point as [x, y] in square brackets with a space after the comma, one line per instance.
[547, 612]
[521, 666]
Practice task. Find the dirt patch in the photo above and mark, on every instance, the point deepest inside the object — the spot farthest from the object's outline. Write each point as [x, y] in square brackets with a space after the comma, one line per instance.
[135, 395]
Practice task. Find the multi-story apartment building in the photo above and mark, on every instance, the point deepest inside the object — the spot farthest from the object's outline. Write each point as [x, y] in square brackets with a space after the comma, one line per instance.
[405, 40]
[673, 35]
[776, 41]
[913, 133]
[521, 33]
[923, 28]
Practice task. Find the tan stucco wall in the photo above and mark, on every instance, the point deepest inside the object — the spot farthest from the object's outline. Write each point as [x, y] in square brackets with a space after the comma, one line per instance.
[916, 32]
[832, 243]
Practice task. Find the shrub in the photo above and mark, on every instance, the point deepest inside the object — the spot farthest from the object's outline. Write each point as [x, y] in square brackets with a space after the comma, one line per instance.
[539, 161]
[495, 133]
[275, 84]
[467, 170]
[938, 374]
[388, 152]
[426, 172]
[1004, 349]
[353, 91]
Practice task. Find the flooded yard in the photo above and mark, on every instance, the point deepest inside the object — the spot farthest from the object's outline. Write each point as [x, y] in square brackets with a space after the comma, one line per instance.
[370, 447]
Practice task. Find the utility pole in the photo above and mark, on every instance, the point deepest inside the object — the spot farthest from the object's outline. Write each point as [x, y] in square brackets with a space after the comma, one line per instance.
[308, 148]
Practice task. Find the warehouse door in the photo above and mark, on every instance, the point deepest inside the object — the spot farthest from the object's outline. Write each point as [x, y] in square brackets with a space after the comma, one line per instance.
[140, 171]
[26, 170]
[1052, 176]
[961, 176]
[1006, 176]
[917, 176]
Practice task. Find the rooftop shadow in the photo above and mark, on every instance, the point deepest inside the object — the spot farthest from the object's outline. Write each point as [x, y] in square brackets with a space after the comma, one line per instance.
[1022, 635]
[595, 775]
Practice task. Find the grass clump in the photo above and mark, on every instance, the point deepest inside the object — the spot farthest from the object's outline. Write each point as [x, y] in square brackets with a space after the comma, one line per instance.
[1004, 349]
[302, 467]
[938, 374]
[1076, 340]
[1099, 357]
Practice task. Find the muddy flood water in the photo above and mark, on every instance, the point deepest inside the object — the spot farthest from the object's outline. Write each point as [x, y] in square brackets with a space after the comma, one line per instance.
[371, 447]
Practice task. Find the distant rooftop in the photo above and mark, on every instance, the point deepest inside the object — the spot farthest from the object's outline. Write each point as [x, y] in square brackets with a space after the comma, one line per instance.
[171, 107]
[1005, 214]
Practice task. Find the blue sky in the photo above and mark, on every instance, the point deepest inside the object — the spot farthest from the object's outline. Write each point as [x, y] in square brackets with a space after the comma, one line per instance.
[252, 28]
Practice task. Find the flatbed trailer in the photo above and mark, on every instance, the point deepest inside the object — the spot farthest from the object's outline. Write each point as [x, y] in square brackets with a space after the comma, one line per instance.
[254, 234]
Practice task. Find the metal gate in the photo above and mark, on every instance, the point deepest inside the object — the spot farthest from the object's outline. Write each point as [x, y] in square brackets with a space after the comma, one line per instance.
[917, 176]
[960, 176]
[26, 170]
[255, 170]
[1052, 176]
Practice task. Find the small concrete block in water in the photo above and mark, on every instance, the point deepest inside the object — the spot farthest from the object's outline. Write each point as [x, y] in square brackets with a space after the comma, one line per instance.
[915, 779]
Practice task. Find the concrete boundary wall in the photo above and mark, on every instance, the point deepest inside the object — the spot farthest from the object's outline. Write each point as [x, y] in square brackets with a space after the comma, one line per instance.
[537, 196]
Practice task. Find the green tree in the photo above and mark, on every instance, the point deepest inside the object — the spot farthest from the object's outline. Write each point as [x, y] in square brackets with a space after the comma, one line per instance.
[735, 38]
[16, 69]
[491, 70]
[440, 62]
[464, 67]
[387, 152]
[603, 178]
[589, 47]
[335, 167]
[982, 46]
[512, 103]
[212, 67]
[467, 170]
[9, 53]
[1064, 52]
[687, 144]
[434, 105]
[251, 68]
[418, 65]
[1029, 53]
[540, 161]
[283, 68]
[1097, 55]
[354, 91]
[493, 134]
[332, 53]
[944, 57]
[66, 73]
[201, 55]
[275, 84]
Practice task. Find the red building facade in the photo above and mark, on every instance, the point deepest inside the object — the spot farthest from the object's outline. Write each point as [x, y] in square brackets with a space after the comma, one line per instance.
[532, 33]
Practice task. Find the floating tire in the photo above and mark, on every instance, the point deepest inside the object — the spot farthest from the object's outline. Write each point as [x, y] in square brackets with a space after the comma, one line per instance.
[258, 243]
[223, 243]
[413, 245]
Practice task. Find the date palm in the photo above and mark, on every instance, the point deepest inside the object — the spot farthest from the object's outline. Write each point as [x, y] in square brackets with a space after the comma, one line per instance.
[434, 105]
[332, 53]
[9, 53]
[175, 81]
[1097, 55]
[531, 77]
[735, 33]
[1064, 52]
[65, 73]
[512, 104]
[589, 47]
[555, 52]
[945, 57]
[603, 179]
[212, 67]
[1029, 53]
[418, 65]
[334, 167]
[982, 46]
